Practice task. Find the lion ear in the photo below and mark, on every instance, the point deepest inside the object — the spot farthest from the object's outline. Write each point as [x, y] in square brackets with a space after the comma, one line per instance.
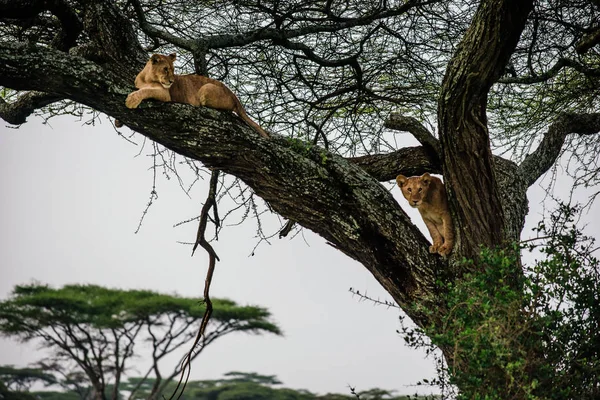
[155, 58]
[173, 56]
[426, 178]
[401, 180]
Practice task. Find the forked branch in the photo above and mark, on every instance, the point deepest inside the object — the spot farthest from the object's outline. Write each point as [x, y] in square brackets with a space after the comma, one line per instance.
[540, 161]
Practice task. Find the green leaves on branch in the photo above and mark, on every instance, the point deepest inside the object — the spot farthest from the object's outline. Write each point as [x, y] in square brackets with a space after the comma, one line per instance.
[501, 314]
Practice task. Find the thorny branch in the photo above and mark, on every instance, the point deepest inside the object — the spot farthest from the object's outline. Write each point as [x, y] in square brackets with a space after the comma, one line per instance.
[376, 302]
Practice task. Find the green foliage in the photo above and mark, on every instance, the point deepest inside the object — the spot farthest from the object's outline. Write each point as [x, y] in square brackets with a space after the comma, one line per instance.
[6, 394]
[234, 385]
[22, 378]
[515, 331]
[487, 330]
[54, 395]
[252, 386]
[252, 377]
[563, 293]
[37, 306]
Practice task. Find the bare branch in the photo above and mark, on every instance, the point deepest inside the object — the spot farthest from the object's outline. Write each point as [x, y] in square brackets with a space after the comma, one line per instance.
[155, 33]
[413, 126]
[112, 37]
[552, 72]
[286, 229]
[588, 41]
[538, 162]
[16, 113]
[275, 34]
[204, 215]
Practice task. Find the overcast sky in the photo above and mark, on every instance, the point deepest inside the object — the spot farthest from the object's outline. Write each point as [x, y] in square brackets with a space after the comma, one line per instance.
[71, 197]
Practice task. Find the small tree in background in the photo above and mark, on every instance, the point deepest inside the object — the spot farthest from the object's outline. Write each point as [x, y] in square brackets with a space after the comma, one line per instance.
[94, 330]
[253, 386]
[21, 379]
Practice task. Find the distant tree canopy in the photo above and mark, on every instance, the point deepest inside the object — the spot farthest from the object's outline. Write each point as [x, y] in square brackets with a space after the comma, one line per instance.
[21, 379]
[95, 331]
[493, 90]
[234, 385]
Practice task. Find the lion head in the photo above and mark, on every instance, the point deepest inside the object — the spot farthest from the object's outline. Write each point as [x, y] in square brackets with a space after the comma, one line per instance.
[161, 69]
[414, 188]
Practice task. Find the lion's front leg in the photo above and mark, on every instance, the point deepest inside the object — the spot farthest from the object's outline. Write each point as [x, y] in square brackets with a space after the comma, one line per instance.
[135, 98]
[448, 232]
[436, 236]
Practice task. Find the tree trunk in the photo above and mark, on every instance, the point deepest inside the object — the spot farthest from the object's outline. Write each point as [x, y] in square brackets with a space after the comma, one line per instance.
[477, 64]
[337, 198]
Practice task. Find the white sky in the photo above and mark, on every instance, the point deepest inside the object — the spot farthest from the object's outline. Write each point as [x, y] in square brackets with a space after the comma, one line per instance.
[71, 197]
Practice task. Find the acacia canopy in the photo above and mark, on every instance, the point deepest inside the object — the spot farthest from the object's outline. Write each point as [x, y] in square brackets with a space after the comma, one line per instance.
[96, 331]
[330, 79]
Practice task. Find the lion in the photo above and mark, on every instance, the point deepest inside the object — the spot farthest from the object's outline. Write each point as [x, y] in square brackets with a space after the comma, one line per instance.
[158, 81]
[427, 194]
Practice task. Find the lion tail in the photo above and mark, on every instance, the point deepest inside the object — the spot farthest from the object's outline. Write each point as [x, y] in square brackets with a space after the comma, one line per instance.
[242, 113]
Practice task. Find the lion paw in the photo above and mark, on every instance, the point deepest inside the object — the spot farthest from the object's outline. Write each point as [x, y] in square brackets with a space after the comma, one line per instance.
[444, 250]
[434, 248]
[133, 100]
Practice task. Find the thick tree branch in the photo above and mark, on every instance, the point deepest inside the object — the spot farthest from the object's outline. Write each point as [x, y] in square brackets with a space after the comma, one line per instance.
[408, 161]
[477, 64]
[542, 159]
[26, 9]
[16, 113]
[112, 38]
[413, 126]
[334, 198]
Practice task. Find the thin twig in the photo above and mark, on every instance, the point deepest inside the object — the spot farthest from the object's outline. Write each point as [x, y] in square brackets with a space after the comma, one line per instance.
[377, 302]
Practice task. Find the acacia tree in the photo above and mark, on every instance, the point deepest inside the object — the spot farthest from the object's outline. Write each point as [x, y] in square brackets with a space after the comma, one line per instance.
[324, 77]
[93, 332]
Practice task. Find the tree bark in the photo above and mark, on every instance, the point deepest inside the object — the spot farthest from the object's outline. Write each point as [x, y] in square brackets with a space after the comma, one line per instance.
[478, 62]
[339, 199]
[323, 192]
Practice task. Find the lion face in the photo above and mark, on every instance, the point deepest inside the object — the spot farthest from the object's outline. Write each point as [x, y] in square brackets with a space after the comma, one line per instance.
[414, 188]
[162, 69]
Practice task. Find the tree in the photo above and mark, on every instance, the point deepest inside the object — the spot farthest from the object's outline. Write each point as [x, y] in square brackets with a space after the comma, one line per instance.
[95, 330]
[239, 385]
[7, 394]
[21, 379]
[326, 75]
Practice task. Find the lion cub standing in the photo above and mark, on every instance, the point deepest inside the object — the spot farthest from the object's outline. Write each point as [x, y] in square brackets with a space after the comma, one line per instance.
[158, 81]
[428, 194]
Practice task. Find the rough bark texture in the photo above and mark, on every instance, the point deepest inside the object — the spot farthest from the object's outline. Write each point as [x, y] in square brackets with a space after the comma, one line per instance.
[333, 197]
[340, 199]
[478, 63]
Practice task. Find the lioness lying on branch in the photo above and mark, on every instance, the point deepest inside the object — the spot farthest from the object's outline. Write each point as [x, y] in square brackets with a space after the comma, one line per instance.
[158, 81]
